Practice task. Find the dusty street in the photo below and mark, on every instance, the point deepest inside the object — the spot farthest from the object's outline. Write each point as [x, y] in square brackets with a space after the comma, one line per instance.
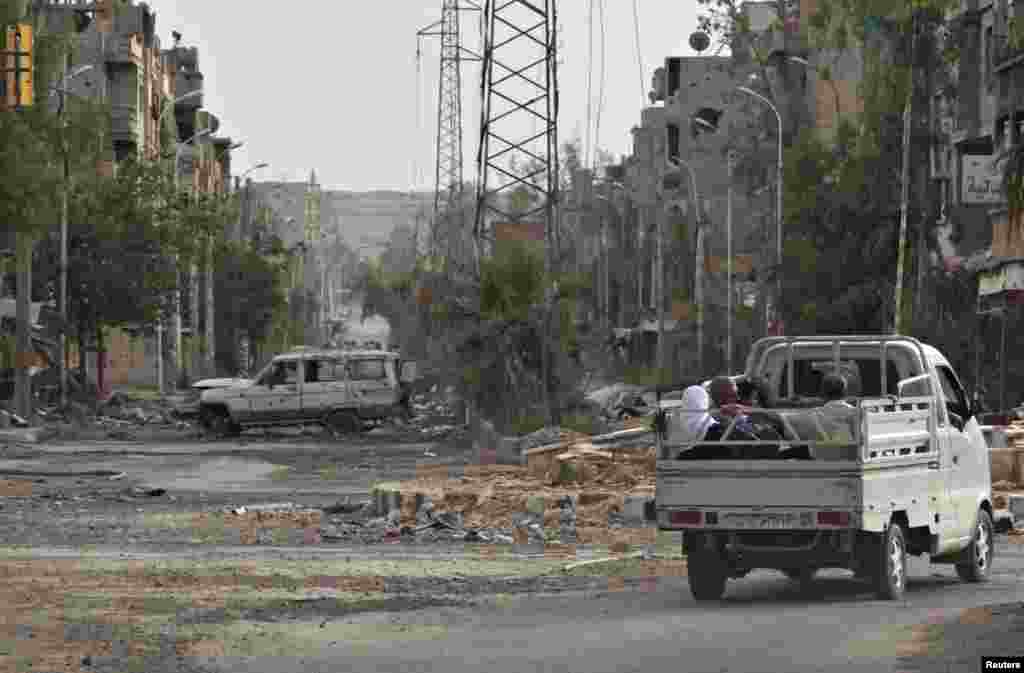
[765, 624]
[113, 560]
[96, 492]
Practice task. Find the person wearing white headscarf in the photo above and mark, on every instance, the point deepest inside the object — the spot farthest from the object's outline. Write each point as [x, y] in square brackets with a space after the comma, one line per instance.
[690, 424]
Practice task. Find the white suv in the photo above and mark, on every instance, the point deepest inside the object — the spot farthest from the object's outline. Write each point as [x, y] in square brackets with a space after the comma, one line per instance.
[343, 390]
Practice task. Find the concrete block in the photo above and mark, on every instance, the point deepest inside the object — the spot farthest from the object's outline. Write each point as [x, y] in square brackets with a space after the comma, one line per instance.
[1003, 520]
[1006, 463]
[1016, 507]
[637, 509]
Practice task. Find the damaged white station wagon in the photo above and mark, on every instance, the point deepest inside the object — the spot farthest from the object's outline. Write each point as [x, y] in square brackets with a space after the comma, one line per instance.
[345, 391]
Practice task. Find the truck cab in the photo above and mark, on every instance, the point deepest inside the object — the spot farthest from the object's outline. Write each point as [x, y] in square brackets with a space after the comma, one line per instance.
[911, 475]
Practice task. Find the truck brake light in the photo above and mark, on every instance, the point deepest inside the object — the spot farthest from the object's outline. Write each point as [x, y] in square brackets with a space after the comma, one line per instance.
[686, 518]
[838, 519]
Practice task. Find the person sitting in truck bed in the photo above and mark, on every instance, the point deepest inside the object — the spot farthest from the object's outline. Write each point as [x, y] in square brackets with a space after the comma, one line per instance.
[692, 423]
[696, 425]
[725, 395]
[736, 400]
[840, 416]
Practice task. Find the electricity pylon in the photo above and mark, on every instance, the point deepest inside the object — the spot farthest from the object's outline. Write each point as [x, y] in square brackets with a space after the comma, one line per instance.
[448, 169]
[519, 37]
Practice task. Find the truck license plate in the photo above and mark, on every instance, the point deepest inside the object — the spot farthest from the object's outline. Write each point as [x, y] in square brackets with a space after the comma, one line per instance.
[760, 522]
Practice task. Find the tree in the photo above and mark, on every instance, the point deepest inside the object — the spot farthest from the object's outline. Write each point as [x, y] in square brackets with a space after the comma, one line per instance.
[841, 195]
[250, 291]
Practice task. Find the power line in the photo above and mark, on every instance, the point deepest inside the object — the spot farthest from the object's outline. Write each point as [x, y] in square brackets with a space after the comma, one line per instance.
[419, 112]
[600, 97]
[639, 57]
[590, 83]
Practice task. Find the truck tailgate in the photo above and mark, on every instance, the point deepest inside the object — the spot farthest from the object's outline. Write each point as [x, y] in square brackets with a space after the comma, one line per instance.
[733, 489]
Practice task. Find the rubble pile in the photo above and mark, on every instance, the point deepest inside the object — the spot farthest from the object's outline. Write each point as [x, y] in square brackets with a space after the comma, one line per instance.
[594, 501]
[434, 417]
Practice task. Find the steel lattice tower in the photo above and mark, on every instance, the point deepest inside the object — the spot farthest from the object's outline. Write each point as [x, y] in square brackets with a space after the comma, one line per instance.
[520, 37]
[448, 170]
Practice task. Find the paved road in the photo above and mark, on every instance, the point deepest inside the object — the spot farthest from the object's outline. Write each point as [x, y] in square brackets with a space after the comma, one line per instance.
[764, 624]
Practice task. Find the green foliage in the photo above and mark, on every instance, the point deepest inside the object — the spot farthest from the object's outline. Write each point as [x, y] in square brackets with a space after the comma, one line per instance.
[524, 425]
[645, 376]
[838, 235]
[582, 423]
[254, 286]
[512, 282]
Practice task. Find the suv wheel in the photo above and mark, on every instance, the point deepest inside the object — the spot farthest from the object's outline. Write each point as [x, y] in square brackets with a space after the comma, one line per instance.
[341, 423]
[219, 424]
[977, 558]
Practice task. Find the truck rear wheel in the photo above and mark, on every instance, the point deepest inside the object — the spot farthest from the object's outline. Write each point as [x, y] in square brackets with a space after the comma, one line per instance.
[891, 577]
[707, 576]
[803, 576]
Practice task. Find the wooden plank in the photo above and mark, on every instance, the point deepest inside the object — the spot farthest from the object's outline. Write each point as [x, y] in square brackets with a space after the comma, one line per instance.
[546, 449]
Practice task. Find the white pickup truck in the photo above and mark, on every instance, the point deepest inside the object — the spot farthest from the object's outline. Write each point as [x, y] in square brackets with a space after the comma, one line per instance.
[907, 472]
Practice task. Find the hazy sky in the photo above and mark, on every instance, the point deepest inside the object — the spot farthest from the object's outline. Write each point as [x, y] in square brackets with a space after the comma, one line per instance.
[332, 85]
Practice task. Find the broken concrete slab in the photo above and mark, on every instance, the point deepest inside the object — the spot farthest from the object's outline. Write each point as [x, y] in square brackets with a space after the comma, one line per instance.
[1016, 506]
[1003, 520]
[27, 435]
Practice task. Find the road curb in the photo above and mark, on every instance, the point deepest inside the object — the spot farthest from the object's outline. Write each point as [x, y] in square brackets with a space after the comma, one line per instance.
[52, 473]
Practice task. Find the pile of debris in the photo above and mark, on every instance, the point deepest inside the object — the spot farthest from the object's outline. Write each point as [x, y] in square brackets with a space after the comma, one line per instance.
[436, 415]
[11, 420]
[569, 490]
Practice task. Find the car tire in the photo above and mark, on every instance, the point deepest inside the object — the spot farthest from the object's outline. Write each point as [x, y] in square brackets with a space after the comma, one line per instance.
[219, 424]
[977, 558]
[706, 575]
[802, 576]
[341, 423]
[891, 559]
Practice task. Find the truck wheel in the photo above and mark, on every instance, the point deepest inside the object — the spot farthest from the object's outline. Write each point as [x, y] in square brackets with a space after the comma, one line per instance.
[706, 576]
[891, 580]
[340, 423]
[977, 558]
[804, 576]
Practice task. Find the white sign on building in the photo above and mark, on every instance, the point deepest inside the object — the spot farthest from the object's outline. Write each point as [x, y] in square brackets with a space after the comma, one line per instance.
[980, 180]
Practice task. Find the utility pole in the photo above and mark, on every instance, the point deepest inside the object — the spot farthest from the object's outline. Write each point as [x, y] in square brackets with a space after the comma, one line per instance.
[728, 266]
[448, 174]
[662, 213]
[897, 322]
[23, 314]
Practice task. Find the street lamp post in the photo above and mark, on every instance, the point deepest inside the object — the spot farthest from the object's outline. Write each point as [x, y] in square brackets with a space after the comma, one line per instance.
[193, 271]
[698, 281]
[211, 334]
[245, 199]
[605, 274]
[65, 189]
[778, 198]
